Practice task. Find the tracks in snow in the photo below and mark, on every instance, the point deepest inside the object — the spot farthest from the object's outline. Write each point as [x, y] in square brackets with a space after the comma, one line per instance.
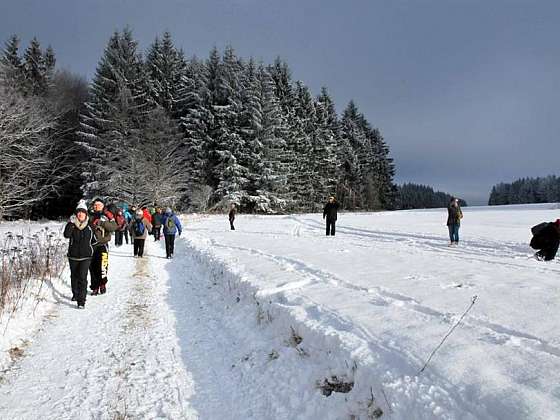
[310, 276]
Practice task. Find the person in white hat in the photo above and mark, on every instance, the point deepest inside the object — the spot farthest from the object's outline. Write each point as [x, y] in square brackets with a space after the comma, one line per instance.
[139, 230]
[80, 251]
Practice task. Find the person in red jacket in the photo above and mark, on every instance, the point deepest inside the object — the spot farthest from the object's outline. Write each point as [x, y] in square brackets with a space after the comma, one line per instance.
[147, 214]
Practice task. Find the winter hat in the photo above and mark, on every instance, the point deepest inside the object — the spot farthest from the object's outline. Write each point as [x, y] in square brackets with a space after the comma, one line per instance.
[81, 206]
[168, 210]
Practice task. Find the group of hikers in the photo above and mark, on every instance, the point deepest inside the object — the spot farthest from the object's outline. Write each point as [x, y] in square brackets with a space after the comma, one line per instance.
[90, 230]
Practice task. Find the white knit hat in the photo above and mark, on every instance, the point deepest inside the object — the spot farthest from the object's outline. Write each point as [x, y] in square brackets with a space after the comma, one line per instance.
[81, 206]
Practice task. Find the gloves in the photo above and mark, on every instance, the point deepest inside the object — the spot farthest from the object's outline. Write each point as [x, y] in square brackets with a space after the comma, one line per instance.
[72, 219]
[180, 233]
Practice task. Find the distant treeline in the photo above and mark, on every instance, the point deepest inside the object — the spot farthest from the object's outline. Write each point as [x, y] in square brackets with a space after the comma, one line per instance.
[414, 196]
[526, 191]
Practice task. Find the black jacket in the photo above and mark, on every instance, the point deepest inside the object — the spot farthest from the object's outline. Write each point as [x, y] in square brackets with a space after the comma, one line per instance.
[548, 236]
[232, 214]
[80, 246]
[330, 211]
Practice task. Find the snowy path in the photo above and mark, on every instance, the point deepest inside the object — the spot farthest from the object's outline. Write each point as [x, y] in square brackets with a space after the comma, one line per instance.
[119, 356]
[161, 344]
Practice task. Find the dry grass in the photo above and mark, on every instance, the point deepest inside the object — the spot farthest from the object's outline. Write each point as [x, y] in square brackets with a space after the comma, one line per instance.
[26, 263]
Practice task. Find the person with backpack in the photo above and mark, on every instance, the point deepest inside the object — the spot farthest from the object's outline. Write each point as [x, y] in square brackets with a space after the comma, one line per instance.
[157, 219]
[330, 212]
[128, 219]
[103, 224]
[546, 238]
[121, 227]
[454, 216]
[232, 213]
[139, 230]
[80, 251]
[171, 227]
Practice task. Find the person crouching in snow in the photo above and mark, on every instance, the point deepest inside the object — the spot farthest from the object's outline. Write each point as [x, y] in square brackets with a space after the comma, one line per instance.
[80, 252]
[330, 212]
[546, 238]
[454, 216]
[139, 230]
[171, 227]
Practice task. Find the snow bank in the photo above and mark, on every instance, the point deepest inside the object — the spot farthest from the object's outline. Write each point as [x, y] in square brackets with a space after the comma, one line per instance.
[372, 303]
[300, 346]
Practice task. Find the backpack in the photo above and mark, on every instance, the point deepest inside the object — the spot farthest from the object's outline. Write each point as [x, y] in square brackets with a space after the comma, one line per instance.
[139, 228]
[170, 223]
[535, 230]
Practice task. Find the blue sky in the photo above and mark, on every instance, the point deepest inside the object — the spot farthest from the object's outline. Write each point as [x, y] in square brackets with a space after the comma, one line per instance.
[465, 92]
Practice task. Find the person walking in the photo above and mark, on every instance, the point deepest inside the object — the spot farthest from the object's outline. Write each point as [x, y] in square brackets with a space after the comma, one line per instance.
[80, 252]
[330, 213]
[103, 224]
[128, 219]
[171, 226]
[147, 214]
[546, 238]
[121, 227]
[454, 216]
[232, 213]
[157, 218]
[139, 230]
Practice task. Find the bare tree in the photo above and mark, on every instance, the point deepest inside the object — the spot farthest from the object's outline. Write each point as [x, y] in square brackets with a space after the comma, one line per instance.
[25, 166]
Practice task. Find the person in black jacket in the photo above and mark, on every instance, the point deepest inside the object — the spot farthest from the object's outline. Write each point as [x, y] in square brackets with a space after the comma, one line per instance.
[546, 239]
[103, 224]
[330, 213]
[231, 216]
[80, 251]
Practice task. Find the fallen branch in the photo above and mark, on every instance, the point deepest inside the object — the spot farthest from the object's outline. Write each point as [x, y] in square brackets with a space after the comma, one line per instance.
[473, 301]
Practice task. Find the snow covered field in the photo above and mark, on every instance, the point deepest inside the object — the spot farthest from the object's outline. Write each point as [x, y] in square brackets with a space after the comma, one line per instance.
[252, 323]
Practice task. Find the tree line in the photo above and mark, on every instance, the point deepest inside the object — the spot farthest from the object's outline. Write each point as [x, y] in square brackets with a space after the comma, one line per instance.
[196, 134]
[526, 191]
[414, 196]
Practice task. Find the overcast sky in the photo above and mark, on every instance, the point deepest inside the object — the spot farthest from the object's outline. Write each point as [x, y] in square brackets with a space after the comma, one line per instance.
[465, 92]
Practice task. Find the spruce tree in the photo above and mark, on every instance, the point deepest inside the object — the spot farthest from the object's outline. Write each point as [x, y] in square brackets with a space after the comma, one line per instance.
[12, 66]
[117, 105]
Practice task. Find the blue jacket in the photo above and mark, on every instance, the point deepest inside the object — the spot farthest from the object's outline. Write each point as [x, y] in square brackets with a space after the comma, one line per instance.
[171, 231]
